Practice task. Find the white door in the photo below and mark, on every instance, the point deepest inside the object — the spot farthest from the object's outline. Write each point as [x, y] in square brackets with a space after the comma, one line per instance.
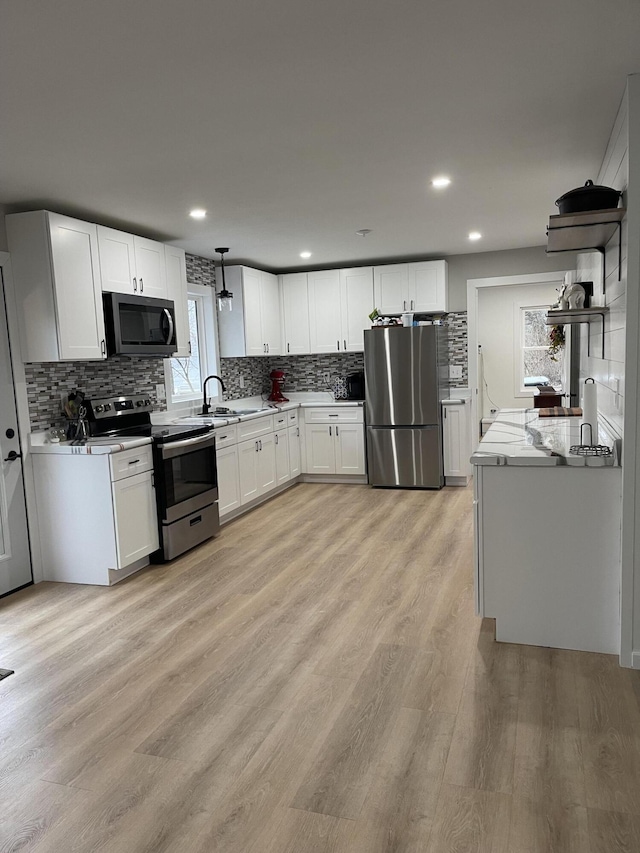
[391, 288]
[267, 476]
[117, 261]
[251, 289]
[356, 296]
[150, 268]
[270, 308]
[295, 310]
[325, 321]
[80, 316]
[294, 451]
[248, 452]
[228, 479]
[349, 441]
[15, 559]
[428, 286]
[282, 457]
[136, 520]
[320, 449]
[177, 291]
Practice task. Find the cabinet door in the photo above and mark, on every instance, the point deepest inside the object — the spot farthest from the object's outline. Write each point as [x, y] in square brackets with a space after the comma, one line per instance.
[325, 321]
[117, 261]
[293, 434]
[295, 311]
[150, 268]
[270, 313]
[456, 442]
[428, 286]
[282, 457]
[267, 476]
[255, 344]
[228, 479]
[136, 520]
[78, 295]
[391, 288]
[177, 291]
[349, 444]
[248, 470]
[356, 297]
[320, 451]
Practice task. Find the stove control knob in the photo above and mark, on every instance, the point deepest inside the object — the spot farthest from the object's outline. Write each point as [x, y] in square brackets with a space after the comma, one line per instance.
[107, 407]
[139, 403]
[147, 402]
[99, 409]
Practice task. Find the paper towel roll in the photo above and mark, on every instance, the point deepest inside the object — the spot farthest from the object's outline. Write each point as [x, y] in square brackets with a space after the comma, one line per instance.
[590, 411]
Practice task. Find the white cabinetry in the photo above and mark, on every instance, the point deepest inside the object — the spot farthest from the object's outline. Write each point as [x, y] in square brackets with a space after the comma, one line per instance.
[325, 320]
[334, 441]
[253, 326]
[55, 268]
[131, 264]
[456, 442]
[419, 286]
[293, 435]
[228, 471]
[111, 520]
[257, 465]
[283, 472]
[295, 314]
[356, 302]
[176, 272]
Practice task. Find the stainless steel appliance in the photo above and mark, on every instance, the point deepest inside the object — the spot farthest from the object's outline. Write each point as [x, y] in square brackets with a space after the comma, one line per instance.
[405, 380]
[186, 478]
[139, 325]
[355, 385]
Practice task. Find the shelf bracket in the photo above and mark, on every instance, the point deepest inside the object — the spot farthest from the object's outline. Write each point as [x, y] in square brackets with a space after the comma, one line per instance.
[589, 335]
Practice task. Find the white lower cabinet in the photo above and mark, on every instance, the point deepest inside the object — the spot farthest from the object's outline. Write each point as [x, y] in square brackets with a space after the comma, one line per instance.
[136, 518]
[293, 435]
[229, 496]
[257, 467]
[283, 472]
[334, 449]
[456, 442]
[320, 449]
[349, 447]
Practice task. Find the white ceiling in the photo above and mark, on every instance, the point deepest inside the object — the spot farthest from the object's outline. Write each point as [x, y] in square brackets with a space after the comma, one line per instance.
[297, 122]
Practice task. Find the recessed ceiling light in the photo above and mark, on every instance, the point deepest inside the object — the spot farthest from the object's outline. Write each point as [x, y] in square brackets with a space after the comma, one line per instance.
[197, 213]
[441, 182]
[305, 254]
[363, 232]
[475, 235]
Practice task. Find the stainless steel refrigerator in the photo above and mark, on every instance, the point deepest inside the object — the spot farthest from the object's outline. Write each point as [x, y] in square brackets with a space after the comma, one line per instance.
[406, 378]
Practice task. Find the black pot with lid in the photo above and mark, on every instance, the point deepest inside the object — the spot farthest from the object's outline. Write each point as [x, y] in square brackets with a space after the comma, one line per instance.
[589, 197]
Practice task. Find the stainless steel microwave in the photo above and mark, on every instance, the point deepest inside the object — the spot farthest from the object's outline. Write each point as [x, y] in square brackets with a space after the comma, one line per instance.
[139, 325]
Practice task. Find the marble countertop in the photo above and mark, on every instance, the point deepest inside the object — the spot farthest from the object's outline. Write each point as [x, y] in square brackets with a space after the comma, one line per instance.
[521, 437]
[40, 443]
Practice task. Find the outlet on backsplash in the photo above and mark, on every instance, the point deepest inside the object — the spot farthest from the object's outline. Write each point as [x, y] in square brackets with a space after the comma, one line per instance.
[161, 392]
[326, 377]
[241, 381]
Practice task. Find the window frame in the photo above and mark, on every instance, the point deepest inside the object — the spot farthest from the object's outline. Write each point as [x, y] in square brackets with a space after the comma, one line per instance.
[520, 390]
[207, 348]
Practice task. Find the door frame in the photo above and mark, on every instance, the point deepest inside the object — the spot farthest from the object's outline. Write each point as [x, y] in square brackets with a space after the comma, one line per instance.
[474, 286]
[22, 410]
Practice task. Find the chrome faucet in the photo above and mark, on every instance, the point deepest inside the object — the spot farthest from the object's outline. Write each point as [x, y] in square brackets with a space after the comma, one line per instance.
[205, 405]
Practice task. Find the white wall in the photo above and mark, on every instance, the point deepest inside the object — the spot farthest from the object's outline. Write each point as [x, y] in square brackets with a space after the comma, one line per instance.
[499, 336]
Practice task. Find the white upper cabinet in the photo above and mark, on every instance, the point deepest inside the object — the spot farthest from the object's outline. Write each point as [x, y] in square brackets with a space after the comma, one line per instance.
[55, 267]
[295, 314]
[131, 264]
[176, 273]
[428, 286]
[356, 302]
[253, 326]
[325, 317]
[420, 287]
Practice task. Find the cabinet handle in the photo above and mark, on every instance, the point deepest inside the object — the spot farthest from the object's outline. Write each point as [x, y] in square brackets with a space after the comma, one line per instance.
[190, 348]
[333, 416]
[412, 304]
[345, 345]
[222, 437]
[256, 446]
[260, 443]
[288, 350]
[297, 432]
[103, 347]
[141, 285]
[329, 431]
[134, 462]
[404, 304]
[276, 438]
[338, 344]
[337, 431]
[445, 412]
[135, 284]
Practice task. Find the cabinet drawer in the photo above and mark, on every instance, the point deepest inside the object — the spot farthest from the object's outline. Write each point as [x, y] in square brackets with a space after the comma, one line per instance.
[292, 418]
[226, 436]
[255, 427]
[281, 420]
[129, 462]
[337, 414]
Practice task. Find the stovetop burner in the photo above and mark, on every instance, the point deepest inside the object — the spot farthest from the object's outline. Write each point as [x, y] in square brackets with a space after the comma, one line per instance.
[129, 417]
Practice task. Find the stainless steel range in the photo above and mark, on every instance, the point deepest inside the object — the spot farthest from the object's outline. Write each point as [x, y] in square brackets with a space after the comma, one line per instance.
[186, 479]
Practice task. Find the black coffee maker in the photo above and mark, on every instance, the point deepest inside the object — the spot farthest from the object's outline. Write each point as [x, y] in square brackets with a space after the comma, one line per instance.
[355, 385]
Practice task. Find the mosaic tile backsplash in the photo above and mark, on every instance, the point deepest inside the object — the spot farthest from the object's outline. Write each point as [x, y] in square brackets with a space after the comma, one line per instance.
[200, 270]
[46, 383]
[457, 324]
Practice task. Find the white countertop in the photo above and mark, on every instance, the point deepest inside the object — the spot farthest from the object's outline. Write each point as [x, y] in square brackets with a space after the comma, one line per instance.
[40, 443]
[521, 437]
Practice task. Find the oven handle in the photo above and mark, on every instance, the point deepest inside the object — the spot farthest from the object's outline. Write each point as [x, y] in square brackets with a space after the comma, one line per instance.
[170, 321]
[176, 448]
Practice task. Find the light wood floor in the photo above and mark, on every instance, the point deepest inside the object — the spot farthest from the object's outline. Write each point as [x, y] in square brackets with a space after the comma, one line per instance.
[312, 681]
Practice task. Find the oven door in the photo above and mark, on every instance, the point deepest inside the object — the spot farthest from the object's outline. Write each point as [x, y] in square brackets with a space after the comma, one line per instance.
[186, 476]
[139, 325]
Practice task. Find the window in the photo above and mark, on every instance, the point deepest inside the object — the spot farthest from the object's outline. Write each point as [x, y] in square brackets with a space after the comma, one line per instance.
[184, 376]
[536, 364]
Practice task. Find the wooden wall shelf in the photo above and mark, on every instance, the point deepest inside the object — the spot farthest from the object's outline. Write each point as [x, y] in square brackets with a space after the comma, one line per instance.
[587, 231]
[558, 317]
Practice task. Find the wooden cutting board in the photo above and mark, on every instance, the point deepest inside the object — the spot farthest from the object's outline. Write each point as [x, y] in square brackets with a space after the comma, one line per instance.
[560, 412]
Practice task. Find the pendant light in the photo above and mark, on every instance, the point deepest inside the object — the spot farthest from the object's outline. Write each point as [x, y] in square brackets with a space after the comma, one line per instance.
[225, 297]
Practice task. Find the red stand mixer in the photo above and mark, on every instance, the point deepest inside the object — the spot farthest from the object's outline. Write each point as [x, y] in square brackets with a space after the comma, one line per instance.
[277, 381]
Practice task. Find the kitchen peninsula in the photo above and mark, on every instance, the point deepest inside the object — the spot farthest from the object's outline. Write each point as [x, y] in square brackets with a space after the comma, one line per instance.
[547, 529]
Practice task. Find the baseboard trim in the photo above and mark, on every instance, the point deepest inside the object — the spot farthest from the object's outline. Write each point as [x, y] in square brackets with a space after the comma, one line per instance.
[354, 479]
